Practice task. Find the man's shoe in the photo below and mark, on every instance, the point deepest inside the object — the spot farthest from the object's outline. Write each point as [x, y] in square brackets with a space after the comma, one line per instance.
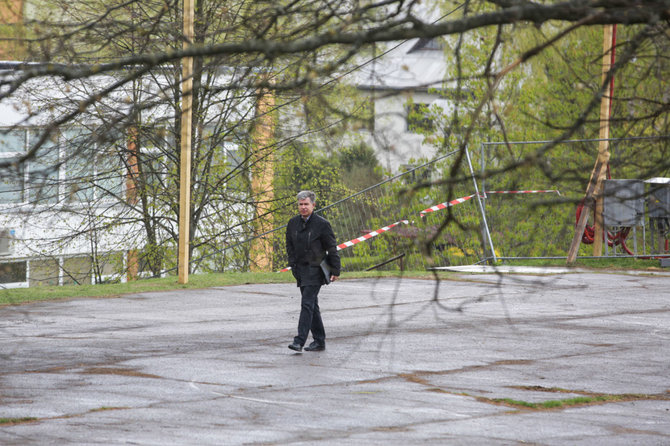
[295, 346]
[315, 347]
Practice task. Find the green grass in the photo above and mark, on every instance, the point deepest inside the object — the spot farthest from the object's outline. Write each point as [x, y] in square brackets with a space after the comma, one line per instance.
[17, 420]
[196, 281]
[570, 402]
[199, 281]
[624, 263]
[16, 296]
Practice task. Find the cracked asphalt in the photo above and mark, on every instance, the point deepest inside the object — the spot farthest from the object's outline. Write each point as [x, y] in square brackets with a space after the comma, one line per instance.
[407, 362]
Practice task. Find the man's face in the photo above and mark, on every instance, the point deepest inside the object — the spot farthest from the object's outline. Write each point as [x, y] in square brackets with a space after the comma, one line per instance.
[305, 207]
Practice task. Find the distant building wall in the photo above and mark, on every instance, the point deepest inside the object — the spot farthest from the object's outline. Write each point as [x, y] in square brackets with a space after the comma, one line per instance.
[392, 137]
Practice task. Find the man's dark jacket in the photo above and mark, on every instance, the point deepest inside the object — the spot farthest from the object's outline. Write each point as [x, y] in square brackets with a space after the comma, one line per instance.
[307, 244]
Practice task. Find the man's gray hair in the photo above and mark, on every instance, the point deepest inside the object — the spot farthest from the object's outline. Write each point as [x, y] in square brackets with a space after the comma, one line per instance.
[307, 194]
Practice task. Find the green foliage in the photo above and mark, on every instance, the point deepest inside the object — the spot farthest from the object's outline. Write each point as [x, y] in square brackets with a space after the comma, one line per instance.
[300, 167]
[359, 167]
[333, 112]
[419, 118]
[562, 82]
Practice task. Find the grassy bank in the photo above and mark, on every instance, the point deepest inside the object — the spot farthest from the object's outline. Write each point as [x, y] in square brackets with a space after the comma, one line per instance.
[198, 281]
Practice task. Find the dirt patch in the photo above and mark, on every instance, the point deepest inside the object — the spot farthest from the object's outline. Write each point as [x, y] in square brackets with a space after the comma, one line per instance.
[104, 409]
[414, 378]
[470, 368]
[391, 429]
[438, 390]
[118, 371]
[49, 370]
[548, 389]
[624, 430]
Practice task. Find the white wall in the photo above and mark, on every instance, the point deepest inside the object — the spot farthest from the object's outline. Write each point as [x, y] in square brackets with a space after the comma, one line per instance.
[394, 144]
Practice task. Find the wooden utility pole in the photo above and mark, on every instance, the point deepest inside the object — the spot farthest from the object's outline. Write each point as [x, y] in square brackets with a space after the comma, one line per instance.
[589, 204]
[185, 162]
[604, 145]
[12, 47]
[132, 261]
[593, 198]
[262, 173]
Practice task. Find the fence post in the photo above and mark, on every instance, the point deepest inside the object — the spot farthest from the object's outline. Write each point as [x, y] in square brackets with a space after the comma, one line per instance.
[481, 206]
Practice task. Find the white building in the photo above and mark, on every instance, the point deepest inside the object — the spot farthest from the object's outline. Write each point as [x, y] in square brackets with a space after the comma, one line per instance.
[68, 213]
[46, 203]
[402, 84]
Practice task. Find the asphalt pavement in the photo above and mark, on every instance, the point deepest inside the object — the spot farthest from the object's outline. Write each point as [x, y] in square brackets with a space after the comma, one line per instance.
[502, 359]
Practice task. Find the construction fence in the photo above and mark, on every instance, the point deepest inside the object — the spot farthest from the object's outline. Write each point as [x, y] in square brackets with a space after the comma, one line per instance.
[468, 207]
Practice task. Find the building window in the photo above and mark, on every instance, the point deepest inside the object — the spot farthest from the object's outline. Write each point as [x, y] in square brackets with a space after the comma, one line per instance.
[11, 185]
[12, 141]
[80, 166]
[92, 169]
[44, 272]
[77, 271]
[13, 272]
[227, 159]
[427, 44]
[419, 119]
[12, 146]
[43, 170]
[152, 162]
[109, 172]
[71, 165]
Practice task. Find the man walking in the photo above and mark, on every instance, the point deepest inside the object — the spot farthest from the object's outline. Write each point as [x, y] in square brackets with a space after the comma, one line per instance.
[310, 239]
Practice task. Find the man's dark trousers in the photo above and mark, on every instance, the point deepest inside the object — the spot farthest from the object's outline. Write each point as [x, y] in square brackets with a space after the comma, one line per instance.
[310, 316]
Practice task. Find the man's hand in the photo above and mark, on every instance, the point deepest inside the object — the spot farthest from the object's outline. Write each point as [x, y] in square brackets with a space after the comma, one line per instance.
[334, 278]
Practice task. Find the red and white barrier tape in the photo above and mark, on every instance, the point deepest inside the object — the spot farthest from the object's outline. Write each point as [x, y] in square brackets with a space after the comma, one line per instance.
[369, 235]
[445, 205]
[463, 199]
[521, 191]
[423, 213]
[362, 238]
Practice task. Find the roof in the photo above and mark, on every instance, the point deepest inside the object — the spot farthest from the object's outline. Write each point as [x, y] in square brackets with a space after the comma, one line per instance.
[404, 65]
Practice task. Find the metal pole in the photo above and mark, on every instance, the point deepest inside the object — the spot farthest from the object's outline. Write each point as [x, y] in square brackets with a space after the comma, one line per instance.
[482, 163]
[185, 161]
[481, 206]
